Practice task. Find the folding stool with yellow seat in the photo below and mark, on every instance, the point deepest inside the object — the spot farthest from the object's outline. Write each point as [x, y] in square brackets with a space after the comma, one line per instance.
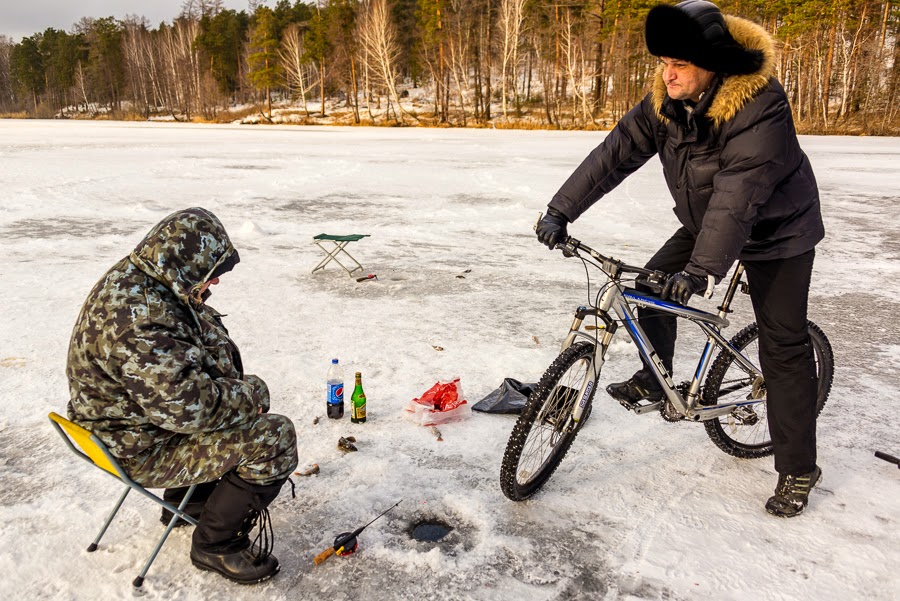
[92, 450]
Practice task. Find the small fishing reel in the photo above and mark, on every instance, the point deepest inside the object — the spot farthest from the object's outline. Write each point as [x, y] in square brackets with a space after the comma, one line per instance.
[345, 544]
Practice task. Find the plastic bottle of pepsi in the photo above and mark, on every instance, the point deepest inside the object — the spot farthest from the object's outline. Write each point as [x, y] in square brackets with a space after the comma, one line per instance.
[335, 400]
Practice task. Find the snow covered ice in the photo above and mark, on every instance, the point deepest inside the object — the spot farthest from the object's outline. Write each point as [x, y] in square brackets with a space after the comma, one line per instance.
[639, 509]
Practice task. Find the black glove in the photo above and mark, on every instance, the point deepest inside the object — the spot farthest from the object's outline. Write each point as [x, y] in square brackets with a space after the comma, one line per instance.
[551, 229]
[680, 287]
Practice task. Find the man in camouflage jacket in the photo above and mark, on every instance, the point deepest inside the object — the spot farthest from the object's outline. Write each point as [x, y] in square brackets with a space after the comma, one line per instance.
[153, 373]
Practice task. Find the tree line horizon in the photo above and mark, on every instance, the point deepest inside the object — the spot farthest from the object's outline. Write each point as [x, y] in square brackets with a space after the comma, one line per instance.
[568, 64]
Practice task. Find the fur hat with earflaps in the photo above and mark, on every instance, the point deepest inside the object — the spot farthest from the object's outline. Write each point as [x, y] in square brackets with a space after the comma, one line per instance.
[695, 31]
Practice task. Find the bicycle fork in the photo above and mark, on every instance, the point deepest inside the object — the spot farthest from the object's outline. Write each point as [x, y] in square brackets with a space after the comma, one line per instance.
[595, 364]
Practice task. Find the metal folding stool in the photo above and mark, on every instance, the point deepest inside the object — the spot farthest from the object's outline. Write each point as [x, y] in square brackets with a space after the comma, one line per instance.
[91, 449]
[340, 247]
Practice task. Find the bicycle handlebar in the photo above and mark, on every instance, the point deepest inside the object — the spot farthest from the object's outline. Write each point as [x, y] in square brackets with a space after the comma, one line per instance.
[648, 277]
[613, 267]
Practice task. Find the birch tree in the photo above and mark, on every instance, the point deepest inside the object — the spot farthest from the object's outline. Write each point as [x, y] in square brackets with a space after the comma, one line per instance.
[135, 41]
[462, 28]
[576, 69]
[379, 39]
[509, 23]
[182, 66]
[297, 67]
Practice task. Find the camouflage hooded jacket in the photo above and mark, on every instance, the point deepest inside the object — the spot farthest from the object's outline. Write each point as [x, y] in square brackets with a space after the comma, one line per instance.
[148, 359]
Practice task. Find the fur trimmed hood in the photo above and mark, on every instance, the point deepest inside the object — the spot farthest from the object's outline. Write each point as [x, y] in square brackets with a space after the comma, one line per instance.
[736, 90]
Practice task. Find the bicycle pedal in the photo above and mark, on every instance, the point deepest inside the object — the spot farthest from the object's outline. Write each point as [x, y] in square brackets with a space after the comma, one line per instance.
[627, 404]
[745, 416]
[640, 408]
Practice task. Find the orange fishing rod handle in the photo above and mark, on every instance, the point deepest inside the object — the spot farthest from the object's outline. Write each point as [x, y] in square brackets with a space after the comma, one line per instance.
[323, 555]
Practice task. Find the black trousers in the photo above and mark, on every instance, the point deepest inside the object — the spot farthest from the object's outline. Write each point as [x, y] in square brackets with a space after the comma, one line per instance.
[779, 292]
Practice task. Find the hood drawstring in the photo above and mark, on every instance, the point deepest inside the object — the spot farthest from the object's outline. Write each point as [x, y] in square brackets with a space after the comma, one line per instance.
[226, 263]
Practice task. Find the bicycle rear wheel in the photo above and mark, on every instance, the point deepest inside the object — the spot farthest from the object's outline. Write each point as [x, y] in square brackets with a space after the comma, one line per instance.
[544, 431]
[745, 432]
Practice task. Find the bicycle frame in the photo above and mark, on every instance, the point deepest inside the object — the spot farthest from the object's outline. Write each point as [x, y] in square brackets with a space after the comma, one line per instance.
[621, 301]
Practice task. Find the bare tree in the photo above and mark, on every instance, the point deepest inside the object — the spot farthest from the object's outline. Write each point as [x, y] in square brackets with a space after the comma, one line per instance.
[298, 70]
[194, 9]
[211, 7]
[459, 41]
[510, 25]
[7, 93]
[850, 48]
[81, 88]
[379, 39]
[575, 65]
[134, 42]
[181, 66]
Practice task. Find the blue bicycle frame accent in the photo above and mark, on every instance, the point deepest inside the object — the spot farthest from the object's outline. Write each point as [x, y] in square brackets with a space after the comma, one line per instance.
[622, 302]
[659, 304]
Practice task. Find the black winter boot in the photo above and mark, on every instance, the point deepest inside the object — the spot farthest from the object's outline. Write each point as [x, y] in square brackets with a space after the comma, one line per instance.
[792, 493]
[641, 386]
[221, 543]
[194, 507]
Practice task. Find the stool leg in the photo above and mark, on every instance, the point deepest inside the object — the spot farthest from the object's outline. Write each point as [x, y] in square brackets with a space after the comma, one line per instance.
[93, 546]
[139, 581]
[342, 249]
[358, 267]
[330, 255]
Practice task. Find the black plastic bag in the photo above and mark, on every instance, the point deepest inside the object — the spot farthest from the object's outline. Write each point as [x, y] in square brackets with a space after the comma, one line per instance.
[509, 398]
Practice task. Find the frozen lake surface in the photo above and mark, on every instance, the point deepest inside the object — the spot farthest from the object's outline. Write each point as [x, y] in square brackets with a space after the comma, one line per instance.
[639, 509]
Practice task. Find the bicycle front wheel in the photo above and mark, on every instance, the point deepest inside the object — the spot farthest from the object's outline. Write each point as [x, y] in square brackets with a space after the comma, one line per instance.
[544, 431]
[745, 431]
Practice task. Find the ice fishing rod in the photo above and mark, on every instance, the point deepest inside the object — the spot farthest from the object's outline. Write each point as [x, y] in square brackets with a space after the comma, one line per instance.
[888, 458]
[346, 542]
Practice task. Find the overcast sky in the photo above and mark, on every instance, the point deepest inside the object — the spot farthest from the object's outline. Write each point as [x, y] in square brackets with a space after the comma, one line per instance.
[20, 18]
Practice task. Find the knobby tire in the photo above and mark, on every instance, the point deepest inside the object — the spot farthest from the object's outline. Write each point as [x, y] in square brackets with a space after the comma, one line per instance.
[541, 417]
[824, 359]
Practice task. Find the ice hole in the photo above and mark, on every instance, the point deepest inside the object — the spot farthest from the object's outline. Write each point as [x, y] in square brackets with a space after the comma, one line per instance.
[429, 531]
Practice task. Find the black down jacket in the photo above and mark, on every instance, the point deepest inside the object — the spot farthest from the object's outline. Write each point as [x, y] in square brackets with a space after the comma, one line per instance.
[741, 183]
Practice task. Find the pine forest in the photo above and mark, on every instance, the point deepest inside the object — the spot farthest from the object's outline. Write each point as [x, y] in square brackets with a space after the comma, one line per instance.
[568, 64]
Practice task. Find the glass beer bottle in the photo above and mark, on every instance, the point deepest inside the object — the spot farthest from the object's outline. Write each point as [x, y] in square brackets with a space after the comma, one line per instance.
[358, 402]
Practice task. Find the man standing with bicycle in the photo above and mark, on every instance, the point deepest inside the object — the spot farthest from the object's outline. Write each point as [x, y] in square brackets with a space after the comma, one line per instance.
[722, 127]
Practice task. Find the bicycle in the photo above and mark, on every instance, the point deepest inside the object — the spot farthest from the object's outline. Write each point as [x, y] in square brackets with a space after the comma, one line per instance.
[731, 403]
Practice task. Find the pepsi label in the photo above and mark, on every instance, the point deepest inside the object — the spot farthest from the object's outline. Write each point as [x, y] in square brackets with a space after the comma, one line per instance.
[335, 393]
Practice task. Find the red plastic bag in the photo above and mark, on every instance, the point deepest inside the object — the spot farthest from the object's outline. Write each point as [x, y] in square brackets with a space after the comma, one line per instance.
[441, 403]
